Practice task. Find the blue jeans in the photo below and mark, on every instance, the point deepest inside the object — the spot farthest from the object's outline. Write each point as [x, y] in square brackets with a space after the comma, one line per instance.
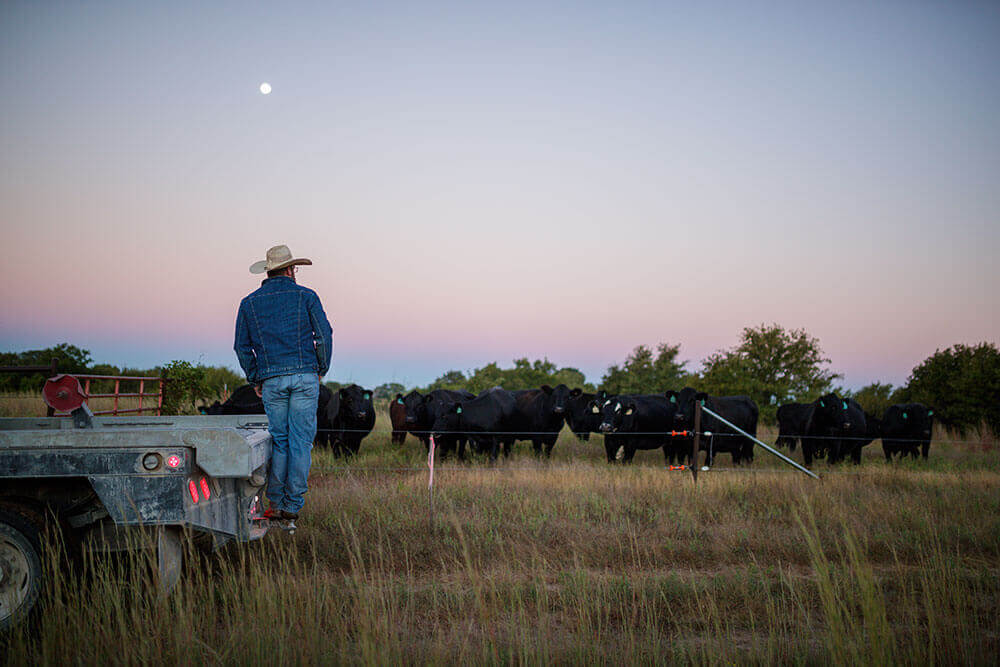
[290, 403]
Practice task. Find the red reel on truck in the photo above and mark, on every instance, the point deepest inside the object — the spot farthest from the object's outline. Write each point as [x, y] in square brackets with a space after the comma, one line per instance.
[63, 393]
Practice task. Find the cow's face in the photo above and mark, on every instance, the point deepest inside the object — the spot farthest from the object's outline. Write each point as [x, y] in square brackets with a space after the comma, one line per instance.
[582, 411]
[357, 401]
[611, 415]
[449, 420]
[629, 416]
[918, 420]
[684, 402]
[416, 408]
[559, 397]
[832, 412]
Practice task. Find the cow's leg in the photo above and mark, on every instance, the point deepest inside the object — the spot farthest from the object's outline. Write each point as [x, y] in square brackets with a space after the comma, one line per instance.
[925, 448]
[610, 448]
[549, 444]
[856, 455]
[536, 446]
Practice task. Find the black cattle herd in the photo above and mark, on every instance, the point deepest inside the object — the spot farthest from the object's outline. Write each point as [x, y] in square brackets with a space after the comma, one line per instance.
[830, 427]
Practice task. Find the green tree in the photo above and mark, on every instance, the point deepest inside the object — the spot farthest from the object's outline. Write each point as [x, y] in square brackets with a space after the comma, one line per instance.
[221, 380]
[961, 384]
[388, 390]
[185, 386]
[769, 361]
[874, 398]
[70, 358]
[644, 373]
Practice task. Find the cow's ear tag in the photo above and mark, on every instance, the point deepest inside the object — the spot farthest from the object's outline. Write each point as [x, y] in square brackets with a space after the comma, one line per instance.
[673, 399]
[618, 407]
[595, 410]
[904, 415]
[703, 402]
[821, 403]
[930, 413]
[399, 400]
[845, 405]
[367, 396]
[629, 411]
[458, 410]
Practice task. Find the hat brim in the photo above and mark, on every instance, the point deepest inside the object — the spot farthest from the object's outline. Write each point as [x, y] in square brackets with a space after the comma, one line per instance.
[262, 267]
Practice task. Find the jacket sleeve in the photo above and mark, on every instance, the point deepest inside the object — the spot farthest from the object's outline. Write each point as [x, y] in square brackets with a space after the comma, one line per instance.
[322, 334]
[243, 347]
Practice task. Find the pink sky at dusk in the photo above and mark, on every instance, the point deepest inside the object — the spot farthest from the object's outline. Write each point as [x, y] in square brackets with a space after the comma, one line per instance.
[554, 183]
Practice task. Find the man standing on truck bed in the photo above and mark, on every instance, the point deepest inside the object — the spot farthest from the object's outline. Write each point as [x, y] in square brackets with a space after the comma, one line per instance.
[284, 343]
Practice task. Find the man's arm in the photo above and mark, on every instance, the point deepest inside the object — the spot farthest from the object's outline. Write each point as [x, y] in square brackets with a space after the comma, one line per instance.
[322, 334]
[243, 348]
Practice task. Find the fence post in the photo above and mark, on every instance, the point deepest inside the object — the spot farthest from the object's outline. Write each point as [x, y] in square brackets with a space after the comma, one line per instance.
[142, 390]
[697, 440]
[163, 394]
[53, 371]
[117, 385]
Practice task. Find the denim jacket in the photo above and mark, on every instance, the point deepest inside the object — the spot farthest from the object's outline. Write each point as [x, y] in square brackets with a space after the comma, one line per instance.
[281, 329]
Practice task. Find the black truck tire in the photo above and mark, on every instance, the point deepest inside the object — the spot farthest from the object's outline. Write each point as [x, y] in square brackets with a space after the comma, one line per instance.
[20, 565]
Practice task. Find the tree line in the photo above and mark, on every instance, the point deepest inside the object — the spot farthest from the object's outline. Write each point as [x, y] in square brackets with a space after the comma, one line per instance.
[770, 364]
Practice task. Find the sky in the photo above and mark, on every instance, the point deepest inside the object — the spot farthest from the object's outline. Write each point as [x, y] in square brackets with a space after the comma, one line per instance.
[477, 182]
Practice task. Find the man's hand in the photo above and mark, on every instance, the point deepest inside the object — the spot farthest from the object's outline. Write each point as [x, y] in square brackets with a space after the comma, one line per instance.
[257, 390]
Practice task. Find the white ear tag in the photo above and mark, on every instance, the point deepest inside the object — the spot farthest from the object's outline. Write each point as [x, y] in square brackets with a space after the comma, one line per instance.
[595, 410]
[629, 411]
[618, 407]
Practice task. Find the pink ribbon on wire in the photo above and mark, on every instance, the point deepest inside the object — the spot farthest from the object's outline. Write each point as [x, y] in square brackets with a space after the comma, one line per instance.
[430, 464]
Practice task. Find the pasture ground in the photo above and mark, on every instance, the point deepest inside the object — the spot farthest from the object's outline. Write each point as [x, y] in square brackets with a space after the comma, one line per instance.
[571, 561]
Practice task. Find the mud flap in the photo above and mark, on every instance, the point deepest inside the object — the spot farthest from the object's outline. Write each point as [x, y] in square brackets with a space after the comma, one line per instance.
[169, 556]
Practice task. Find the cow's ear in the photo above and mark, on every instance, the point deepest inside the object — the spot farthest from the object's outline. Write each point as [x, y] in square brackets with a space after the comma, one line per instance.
[603, 395]
[399, 396]
[546, 388]
[575, 392]
[366, 396]
[343, 392]
[631, 409]
[671, 396]
[701, 396]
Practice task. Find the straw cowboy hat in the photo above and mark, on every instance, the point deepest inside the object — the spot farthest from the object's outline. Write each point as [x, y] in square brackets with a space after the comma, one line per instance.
[278, 257]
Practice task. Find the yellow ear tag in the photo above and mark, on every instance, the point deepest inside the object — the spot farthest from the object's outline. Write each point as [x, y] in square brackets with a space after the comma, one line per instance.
[629, 411]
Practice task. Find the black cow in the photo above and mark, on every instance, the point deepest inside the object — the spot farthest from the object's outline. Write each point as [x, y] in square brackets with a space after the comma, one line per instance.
[837, 428]
[539, 415]
[423, 410]
[352, 415]
[740, 410]
[906, 428]
[397, 415]
[244, 401]
[637, 421]
[487, 419]
[582, 417]
[793, 420]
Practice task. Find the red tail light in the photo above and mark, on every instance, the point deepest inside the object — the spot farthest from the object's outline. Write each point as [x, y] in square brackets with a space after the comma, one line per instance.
[193, 488]
[204, 489]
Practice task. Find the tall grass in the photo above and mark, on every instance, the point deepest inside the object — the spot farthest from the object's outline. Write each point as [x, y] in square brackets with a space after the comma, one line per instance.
[567, 562]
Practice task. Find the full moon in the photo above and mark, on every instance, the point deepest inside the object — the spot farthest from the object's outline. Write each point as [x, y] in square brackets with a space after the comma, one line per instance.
[265, 88]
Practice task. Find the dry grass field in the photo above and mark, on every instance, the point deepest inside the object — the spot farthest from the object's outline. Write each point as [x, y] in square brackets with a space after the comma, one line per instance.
[571, 561]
